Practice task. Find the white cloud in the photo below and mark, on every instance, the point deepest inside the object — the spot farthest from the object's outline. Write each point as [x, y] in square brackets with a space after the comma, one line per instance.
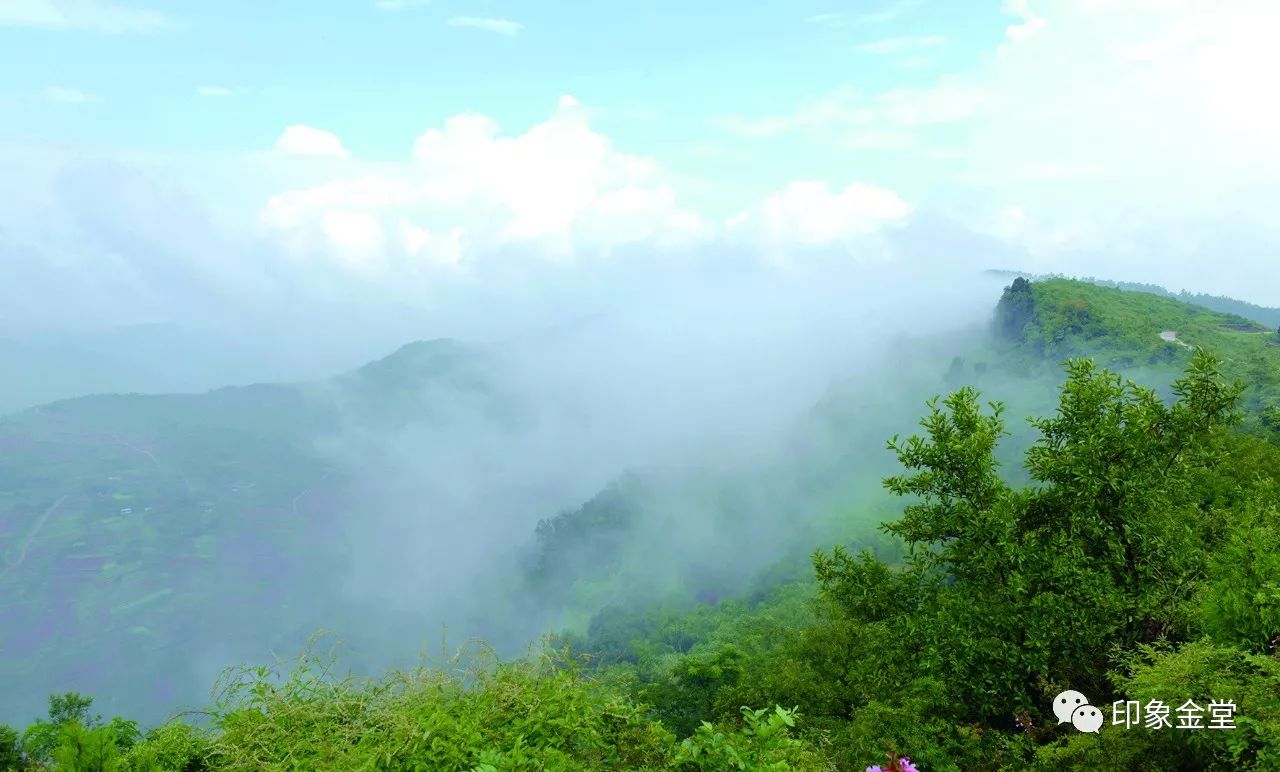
[97, 15]
[399, 5]
[899, 45]
[826, 19]
[467, 190]
[500, 26]
[559, 192]
[1112, 123]
[214, 91]
[69, 96]
[808, 214]
[354, 233]
[308, 141]
[1160, 105]
[1135, 134]
[1064, 171]
[1029, 22]
[898, 112]
[882, 15]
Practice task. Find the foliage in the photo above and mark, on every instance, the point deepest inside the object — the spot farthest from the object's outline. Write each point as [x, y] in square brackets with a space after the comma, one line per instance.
[1132, 532]
[476, 713]
[10, 749]
[85, 749]
[172, 747]
[1007, 588]
[1200, 671]
[762, 743]
[71, 738]
[1241, 595]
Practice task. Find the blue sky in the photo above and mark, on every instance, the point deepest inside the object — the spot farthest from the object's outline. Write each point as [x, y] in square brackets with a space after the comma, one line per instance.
[383, 139]
[376, 76]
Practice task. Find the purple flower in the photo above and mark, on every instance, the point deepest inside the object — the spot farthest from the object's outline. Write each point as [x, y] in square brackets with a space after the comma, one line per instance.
[906, 766]
[876, 768]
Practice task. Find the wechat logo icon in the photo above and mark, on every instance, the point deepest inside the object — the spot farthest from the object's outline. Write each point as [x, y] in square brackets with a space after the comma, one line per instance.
[1073, 708]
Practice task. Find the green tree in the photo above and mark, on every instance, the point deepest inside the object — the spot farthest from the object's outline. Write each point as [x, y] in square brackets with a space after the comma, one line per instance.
[85, 749]
[70, 731]
[10, 749]
[1006, 591]
[762, 742]
[71, 706]
[1241, 599]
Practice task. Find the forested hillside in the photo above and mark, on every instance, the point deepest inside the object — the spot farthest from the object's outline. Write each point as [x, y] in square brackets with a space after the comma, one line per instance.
[1249, 315]
[1123, 543]
[131, 523]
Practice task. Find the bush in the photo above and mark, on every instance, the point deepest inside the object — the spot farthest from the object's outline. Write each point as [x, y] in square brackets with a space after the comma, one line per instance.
[762, 742]
[10, 749]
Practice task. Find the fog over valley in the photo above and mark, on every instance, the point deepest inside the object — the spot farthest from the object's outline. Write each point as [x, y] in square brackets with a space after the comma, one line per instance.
[496, 386]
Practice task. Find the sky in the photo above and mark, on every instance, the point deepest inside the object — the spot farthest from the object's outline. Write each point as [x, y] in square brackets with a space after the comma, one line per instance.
[172, 160]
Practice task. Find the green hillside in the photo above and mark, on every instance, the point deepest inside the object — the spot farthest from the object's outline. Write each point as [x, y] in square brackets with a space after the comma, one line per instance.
[1124, 544]
[127, 521]
[1250, 314]
[1123, 331]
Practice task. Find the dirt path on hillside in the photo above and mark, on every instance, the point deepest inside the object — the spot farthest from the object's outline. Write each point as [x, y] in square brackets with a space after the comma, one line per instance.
[1169, 336]
[25, 544]
[159, 467]
[310, 488]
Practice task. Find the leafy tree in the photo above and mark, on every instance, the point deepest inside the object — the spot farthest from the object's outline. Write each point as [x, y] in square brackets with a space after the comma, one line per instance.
[1200, 671]
[85, 749]
[1007, 589]
[76, 739]
[762, 742]
[10, 749]
[1241, 599]
[71, 706]
[171, 747]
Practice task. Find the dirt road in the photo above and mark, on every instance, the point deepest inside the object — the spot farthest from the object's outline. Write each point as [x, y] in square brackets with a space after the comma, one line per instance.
[25, 544]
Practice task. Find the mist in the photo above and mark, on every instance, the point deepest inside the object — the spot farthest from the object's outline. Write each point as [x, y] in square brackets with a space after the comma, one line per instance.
[703, 391]
[695, 371]
[406, 505]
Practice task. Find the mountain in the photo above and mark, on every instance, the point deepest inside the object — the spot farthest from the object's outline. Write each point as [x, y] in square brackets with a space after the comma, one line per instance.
[127, 521]
[47, 366]
[1123, 546]
[1248, 315]
[1131, 331]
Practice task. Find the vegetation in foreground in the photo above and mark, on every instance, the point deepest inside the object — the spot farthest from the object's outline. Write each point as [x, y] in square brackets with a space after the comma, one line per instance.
[1140, 563]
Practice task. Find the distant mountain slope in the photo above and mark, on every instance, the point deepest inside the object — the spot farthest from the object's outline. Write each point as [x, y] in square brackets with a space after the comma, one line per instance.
[47, 366]
[1244, 311]
[130, 522]
[132, 525]
[1057, 318]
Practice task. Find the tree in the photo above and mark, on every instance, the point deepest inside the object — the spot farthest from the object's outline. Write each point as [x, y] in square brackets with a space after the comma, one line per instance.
[1006, 590]
[87, 750]
[43, 737]
[10, 749]
[71, 706]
